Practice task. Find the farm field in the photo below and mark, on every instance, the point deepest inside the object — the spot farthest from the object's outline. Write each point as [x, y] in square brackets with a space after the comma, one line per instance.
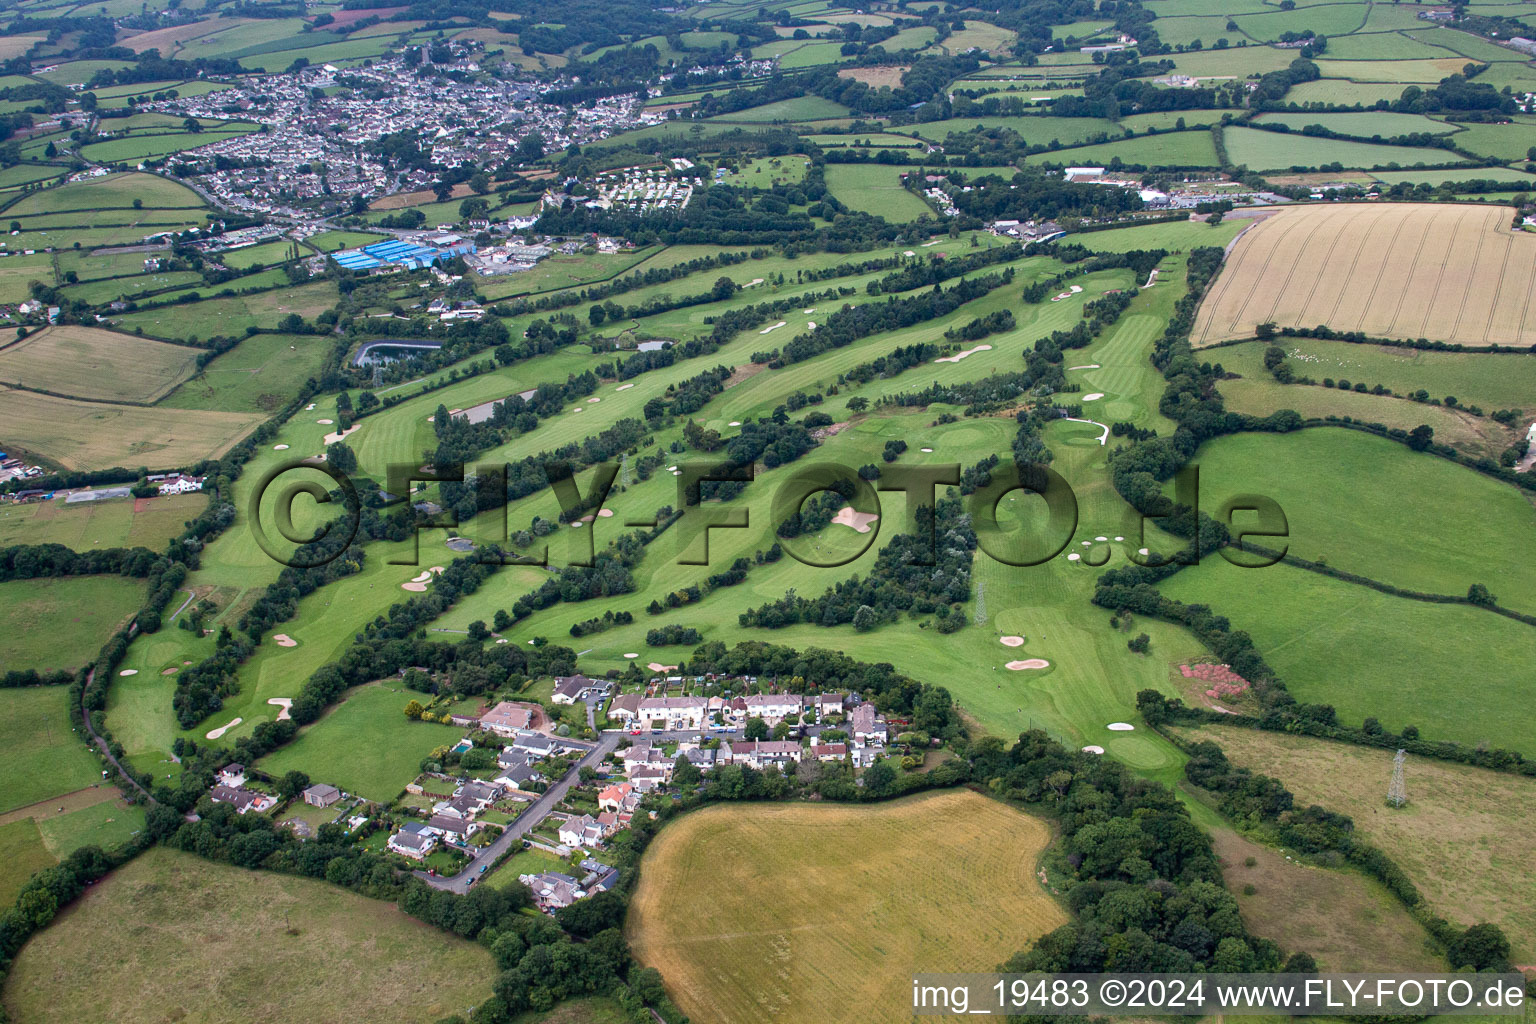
[923, 856]
[1277, 151]
[1457, 672]
[233, 314]
[1347, 920]
[258, 375]
[1170, 149]
[61, 623]
[1460, 838]
[874, 188]
[1316, 474]
[1491, 380]
[1449, 273]
[113, 523]
[43, 755]
[168, 916]
[18, 272]
[103, 436]
[83, 362]
[115, 191]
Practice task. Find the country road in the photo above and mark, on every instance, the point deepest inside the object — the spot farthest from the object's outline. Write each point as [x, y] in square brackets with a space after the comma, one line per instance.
[101, 744]
[529, 819]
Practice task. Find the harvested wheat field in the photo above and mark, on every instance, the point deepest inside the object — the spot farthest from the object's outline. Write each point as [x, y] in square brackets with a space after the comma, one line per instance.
[1466, 838]
[85, 362]
[862, 898]
[1399, 270]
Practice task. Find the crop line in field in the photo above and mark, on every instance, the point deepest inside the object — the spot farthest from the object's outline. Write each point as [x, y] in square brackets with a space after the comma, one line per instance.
[1482, 239]
[1450, 247]
[1291, 272]
[1223, 282]
[1353, 263]
[1383, 269]
[1267, 259]
[1315, 279]
[1509, 243]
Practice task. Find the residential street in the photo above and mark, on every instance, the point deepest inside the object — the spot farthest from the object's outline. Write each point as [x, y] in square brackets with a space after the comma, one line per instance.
[536, 812]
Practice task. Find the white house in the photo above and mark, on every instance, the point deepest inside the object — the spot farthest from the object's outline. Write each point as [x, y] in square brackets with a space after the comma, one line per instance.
[675, 712]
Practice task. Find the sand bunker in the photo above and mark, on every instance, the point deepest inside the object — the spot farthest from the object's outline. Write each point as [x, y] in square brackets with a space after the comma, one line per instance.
[310, 407]
[417, 584]
[577, 409]
[1011, 641]
[501, 640]
[961, 355]
[1143, 552]
[284, 640]
[1119, 538]
[170, 671]
[1085, 366]
[848, 516]
[809, 311]
[811, 324]
[754, 281]
[657, 666]
[325, 423]
[1101, 538]
[774, 327]
[594, 400]
[279, 447]
[1093, 748]
[606, 513]
[623, 387]
[214, 734]
[1027, 663]
[578, 524]
[286, 703]
[734, 423]
[927, 450]
[129, 672]
[338, 435]
[1120, 727]
[1074, 556]
[1094, 397]
[631, 655]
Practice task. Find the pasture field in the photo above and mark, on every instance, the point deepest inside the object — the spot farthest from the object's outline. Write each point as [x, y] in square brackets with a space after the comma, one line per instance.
[114, 191]
[1277, 151]
[1396, 71]
[1377, 122]
[267, 254]
[1505, 141]
[1457, 672]
[84, 362]
[364, 745]
[147, 147]
[992, 39]
[111, 289]
[1440, 177]
[1342, 492]
[1166, 149]
[1260, 395]
[766, 173]
[18, 272]
[802, 108]
[1463, 838]
[62, 622]
[1338, 91]
[1449, 273]
[231, 315]
[22, 854]
[877, 189]
[1347, 920]
[110, 524]
[258, 375]
[788, 958]
[42, 755]
[101, 435]
[173, 933]
[331, 241]
[1491, 380]
[1035, 129]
